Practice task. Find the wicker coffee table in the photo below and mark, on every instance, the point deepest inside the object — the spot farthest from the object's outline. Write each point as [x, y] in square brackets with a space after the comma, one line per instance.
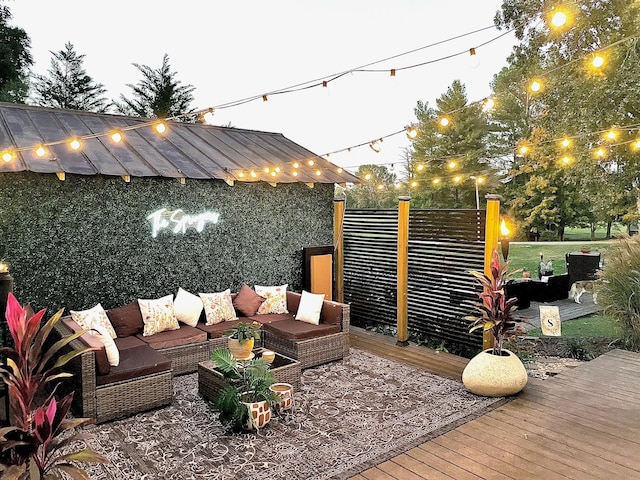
[210, 380]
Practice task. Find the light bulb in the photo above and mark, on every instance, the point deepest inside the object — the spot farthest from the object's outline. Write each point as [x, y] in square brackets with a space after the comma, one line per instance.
[488, 104]
[559, 19]
[565, 143]
[161, 127]
[75, 144]
[598, 61]
[367, 177]
[444, 122]
[6, 156]
[535, 86]
[40, 151]
[414, 184]
[116, 137]
[452, 164]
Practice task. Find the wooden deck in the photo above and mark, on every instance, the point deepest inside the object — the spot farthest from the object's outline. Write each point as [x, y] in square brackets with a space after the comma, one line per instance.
[582, 424]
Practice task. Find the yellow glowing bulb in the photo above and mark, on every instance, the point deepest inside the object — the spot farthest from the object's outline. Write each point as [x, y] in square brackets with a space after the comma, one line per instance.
[311, 163]
[75, 144]
[253, 174]
[116, 137]
[489, 104]
[241, 175]
[457, 179]
[452, 164]
[296, 165]
[277, 169]
[565, 142]
[274, 173]
[612, 134]
[420, 167]
[161, 127]
[6, 156]
[601, 152]
[266, 169]
[40, 151]
[524, 149]
[436, 181]
[598, 61]
[479, 179]
[444, 122]
[380, 187]
[295, 174]
[367, 176]
[318, 173]
[566, 160]
[636, 144]
[412, 132]
[535, 86]
[559, 19]
[340, 170]
[414, 184]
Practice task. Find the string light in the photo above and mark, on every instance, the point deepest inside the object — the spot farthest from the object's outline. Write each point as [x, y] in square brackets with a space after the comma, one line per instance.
[444, 121]
[559, 19]
[600, 152]
[161, 127]
[74, 144]
[452, 164]
[40, 151]
[597, 61]
[535, 86]
[412, 133]
[116, 136]
[7, 156]
[565, 143]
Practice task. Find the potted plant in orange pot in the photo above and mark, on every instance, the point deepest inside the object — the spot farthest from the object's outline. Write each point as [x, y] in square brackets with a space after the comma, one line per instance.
[495, 372]
[241, 339]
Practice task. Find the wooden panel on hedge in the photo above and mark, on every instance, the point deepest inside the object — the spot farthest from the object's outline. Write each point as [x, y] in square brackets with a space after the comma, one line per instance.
[443, 246]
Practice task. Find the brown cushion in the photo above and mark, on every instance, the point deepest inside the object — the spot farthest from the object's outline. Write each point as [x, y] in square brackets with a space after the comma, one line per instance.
[128, 342]
[297, 330]
[247, 301]
[271, 317]
[185, 335]
[126, 320]
[217, 329]
[135, 363]
[331, 313]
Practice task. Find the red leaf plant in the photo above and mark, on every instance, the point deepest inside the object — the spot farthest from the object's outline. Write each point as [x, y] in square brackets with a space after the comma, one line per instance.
[30, 446]
[496, 310]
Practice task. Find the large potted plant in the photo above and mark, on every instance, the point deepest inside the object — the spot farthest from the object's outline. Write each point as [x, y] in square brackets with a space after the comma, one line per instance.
[38, 443]
[245, 403]
[495, 372]
[241, 339]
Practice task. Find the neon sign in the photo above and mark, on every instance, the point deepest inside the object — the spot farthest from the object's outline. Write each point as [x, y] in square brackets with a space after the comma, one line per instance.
[178, 222]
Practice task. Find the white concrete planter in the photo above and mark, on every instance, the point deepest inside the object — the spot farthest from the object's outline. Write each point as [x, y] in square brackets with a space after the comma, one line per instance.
[492, 375]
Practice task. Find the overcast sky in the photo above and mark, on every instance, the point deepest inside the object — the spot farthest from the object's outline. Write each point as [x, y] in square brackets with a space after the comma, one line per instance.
[230, 50]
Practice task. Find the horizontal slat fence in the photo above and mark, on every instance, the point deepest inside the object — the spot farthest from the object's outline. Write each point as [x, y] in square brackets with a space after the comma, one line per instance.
[443, 246]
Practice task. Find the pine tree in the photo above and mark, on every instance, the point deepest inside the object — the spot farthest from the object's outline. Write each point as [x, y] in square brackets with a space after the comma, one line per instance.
[158, 94]
[68, 85]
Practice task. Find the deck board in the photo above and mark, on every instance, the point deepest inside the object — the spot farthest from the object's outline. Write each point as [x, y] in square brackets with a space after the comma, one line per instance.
[583, 424]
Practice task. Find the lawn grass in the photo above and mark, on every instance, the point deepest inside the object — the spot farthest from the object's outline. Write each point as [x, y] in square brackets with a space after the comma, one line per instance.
[587, 327]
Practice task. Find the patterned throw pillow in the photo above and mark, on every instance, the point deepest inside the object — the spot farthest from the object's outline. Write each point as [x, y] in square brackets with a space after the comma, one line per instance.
[275, 299]
[218, 307]
[87, 319]
[310, 307]
[187, 307]
[158, 315]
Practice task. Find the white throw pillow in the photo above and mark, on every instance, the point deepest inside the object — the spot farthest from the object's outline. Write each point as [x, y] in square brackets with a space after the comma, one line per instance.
[218, 307]
[158, 315]
[88, 319]
[113, 355]
[187, 307]
[309, 308]
[275, 299]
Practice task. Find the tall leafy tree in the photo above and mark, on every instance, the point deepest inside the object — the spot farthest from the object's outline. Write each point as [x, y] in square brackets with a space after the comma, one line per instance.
[579, 102]
[444, 158]
[15, 60]
[377, 190]
[158, 95]
[67, 84]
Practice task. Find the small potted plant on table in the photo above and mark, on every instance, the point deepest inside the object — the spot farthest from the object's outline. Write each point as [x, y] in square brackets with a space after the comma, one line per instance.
[241, 339]
[245, 404]
[495, 372]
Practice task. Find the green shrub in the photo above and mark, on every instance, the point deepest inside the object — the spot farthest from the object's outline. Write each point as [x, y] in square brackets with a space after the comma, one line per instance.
[620, 288]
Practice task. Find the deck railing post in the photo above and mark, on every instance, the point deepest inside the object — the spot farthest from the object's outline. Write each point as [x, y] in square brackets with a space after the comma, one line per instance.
[403, 270]
[338, 246]
[492, 231]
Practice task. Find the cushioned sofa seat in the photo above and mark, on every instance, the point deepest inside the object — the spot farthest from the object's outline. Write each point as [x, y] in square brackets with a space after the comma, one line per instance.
[216, 330]
[174, 338]
[296, 330]
[134, 363]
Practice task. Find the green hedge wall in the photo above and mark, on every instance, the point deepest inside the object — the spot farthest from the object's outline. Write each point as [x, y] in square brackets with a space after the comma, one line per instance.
[86, 239]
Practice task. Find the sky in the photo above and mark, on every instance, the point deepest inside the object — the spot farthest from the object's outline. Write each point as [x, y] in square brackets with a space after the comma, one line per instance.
[233, 50]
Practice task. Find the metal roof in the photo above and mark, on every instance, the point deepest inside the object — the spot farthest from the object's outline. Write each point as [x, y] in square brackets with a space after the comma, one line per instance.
[196, 151]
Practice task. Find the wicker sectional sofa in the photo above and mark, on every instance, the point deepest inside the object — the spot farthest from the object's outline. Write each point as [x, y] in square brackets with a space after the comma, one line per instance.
[143, 380]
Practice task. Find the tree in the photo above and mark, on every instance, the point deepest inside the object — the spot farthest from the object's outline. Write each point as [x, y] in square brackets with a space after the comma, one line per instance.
[443, 158]
[15, 60]
[578, 102]
[68, 85]
[377, 190]
[158, 94]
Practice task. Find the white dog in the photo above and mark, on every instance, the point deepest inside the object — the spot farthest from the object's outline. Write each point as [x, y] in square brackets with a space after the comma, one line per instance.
[578, 288]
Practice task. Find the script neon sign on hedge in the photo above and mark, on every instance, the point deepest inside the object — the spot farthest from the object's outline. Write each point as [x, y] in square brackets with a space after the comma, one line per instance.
[177, 221]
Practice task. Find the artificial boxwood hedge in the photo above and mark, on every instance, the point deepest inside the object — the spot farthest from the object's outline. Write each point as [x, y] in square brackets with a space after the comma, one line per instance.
[86, 239]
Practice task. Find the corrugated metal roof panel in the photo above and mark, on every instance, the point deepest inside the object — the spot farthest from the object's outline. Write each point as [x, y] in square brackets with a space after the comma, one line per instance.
[185, 150]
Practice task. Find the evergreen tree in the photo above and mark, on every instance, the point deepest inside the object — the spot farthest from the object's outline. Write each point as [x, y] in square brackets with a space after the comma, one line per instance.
[158, 94]
[15, 60]
[443, 158]
[68, 85]
[377, 190]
